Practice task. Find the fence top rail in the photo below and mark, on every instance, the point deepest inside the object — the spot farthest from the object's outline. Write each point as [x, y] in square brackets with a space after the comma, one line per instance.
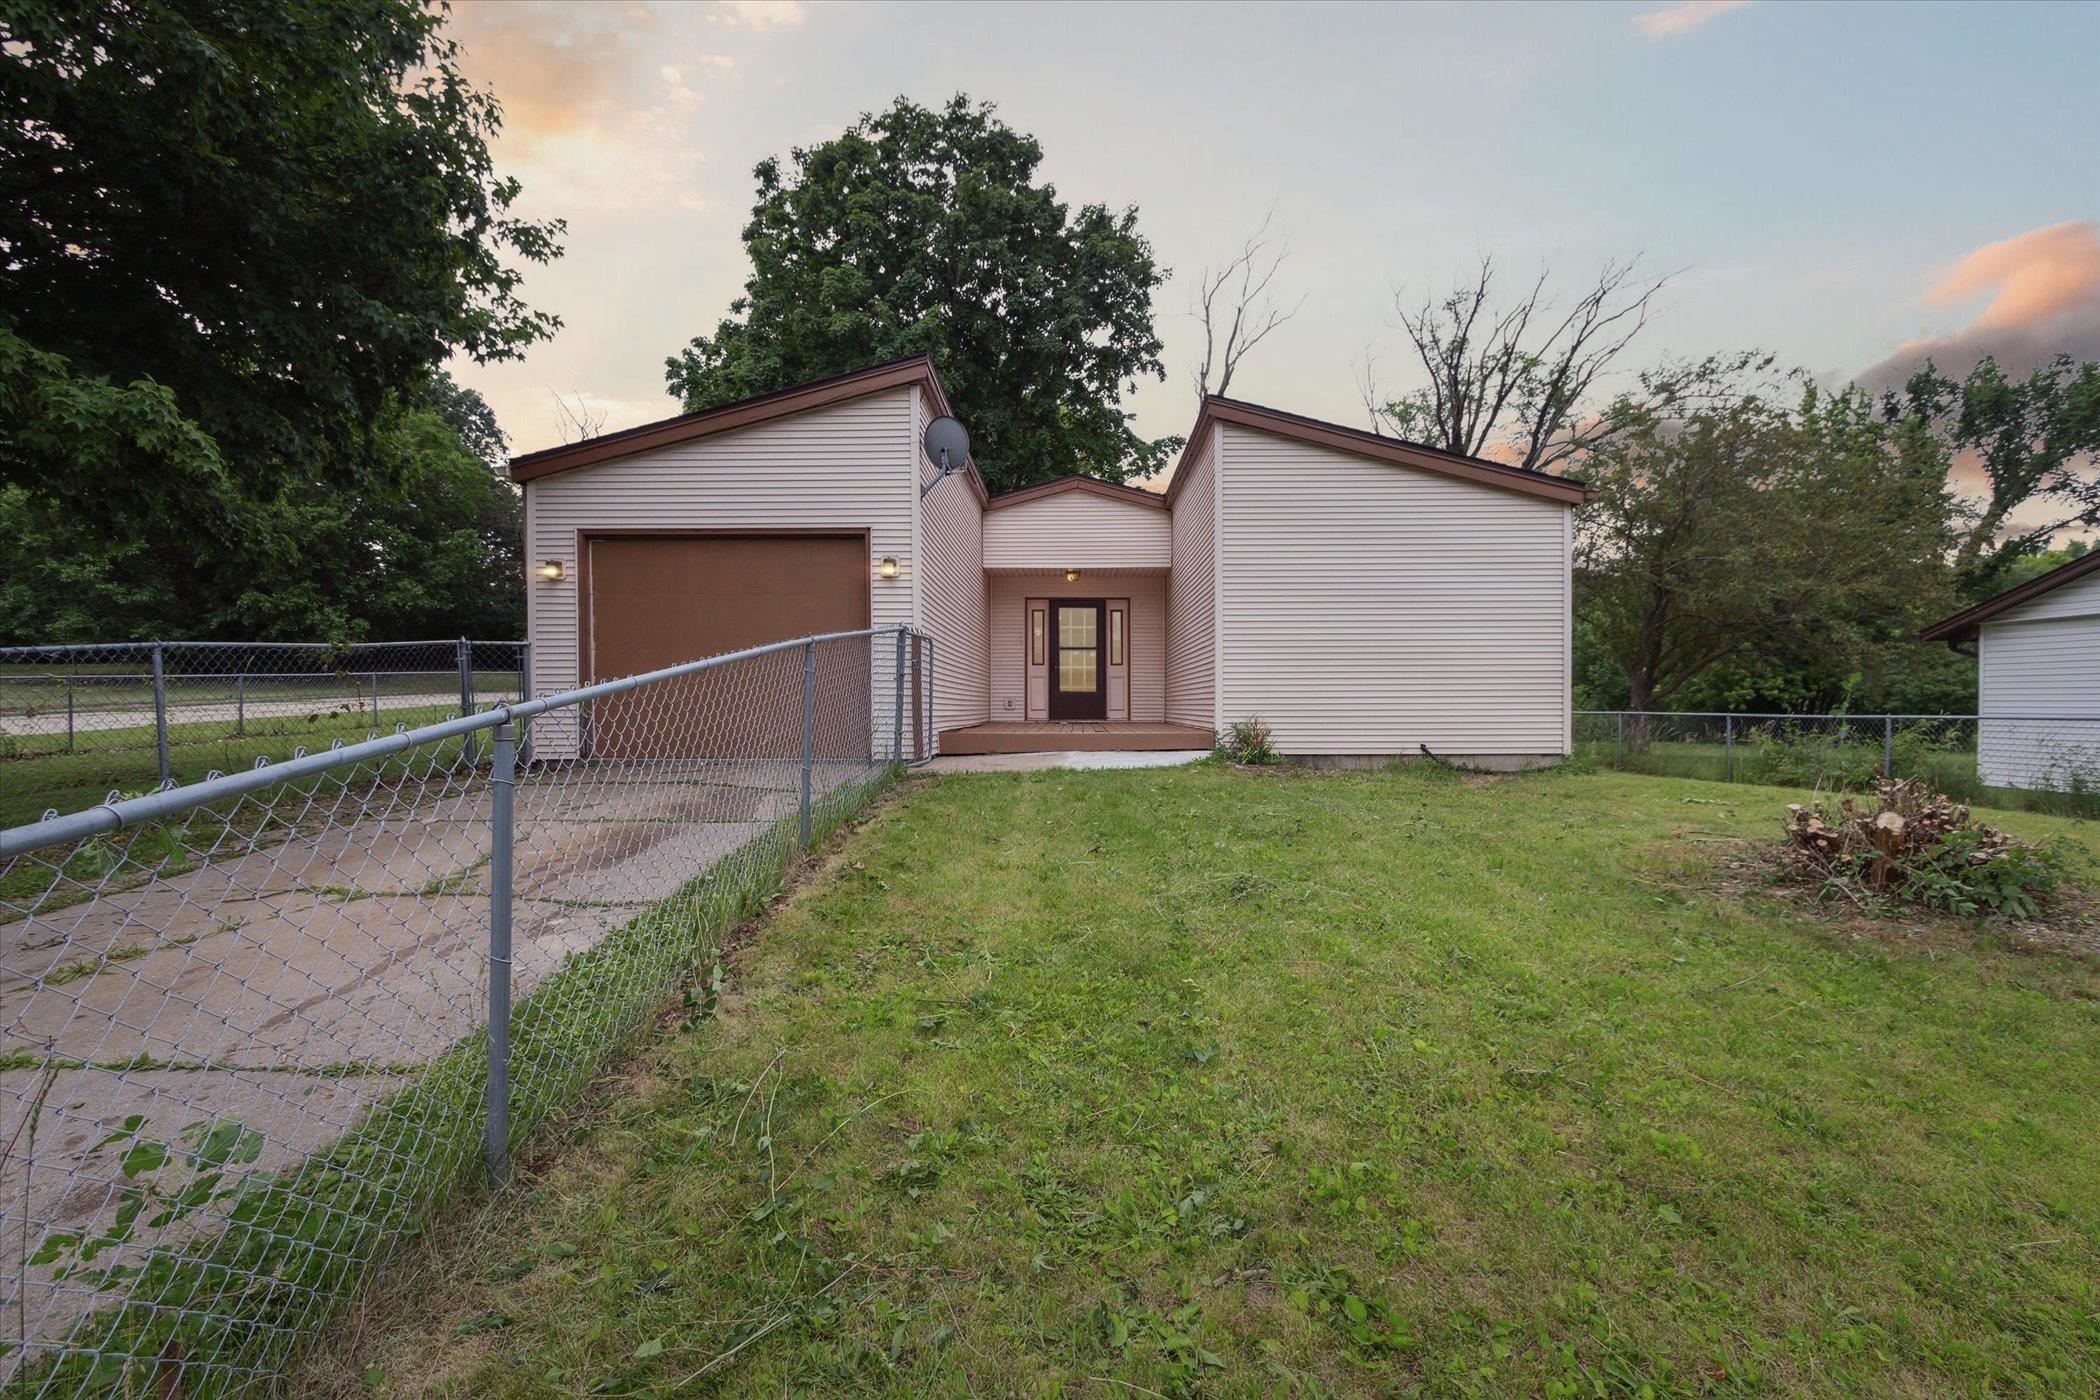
[63, 648]
[1747, 714]
[451, 668]
[153, 806]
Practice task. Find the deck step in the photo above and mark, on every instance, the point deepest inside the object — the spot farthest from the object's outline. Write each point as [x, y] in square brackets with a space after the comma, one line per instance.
[1080, 736]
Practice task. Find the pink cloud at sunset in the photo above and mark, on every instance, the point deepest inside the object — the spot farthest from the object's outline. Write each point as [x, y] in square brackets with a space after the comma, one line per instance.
[556, 68]
[2043, 290]
[2037, 275]
[1683, 18]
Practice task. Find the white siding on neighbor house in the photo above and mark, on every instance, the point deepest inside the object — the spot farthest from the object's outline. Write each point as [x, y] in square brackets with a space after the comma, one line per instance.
[845, 466]
[1367, 608]
[952, 594]
[1009, 643]
[2042, 659]
[1191, 595]
[1076, 530]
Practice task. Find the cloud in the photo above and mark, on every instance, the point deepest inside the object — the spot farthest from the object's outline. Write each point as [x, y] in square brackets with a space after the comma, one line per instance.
[2041, 297]
[1683, 17]
[556, 69]
[762, 14]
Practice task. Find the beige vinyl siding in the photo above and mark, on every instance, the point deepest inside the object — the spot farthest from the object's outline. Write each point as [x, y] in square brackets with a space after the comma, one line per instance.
[2039, 660]
[1009, 595]
[845, 467]
[1076, 530]
[1367, 608]
[1191, 595]
[952, 595]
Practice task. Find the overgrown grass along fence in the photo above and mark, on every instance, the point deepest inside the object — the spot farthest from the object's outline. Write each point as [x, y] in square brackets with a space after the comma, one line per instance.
[2031, 763]
[261, 1030]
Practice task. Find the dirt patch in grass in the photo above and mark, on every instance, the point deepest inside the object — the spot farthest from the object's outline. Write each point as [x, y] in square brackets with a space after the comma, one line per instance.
[1749, 870]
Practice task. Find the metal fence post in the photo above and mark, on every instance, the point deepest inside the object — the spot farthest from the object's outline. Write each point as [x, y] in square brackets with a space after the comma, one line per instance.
[466, 688]
[1888, 746]
[503, 789]
[1728, 765]
[240, 704]
[1620, 761]
[160, 711]
[525, 688]
[897, 731]
[69, 712]
[809, 728]
[375, 699]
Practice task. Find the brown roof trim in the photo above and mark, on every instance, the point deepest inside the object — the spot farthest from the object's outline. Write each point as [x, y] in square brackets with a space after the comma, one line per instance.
[1215, 410]
[1092, 485]
[1962, 626]
[741, 414]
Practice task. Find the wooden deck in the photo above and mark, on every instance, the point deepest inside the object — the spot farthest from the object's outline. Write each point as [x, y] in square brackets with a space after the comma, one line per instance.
[1065, 736]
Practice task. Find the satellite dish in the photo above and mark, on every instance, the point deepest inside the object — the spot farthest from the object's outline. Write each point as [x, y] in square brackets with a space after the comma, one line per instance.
[947, 447]
[947, 444]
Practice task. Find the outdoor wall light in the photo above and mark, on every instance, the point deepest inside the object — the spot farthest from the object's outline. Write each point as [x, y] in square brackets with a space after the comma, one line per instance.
[552, 571]
[888, 567]
[1071, 576]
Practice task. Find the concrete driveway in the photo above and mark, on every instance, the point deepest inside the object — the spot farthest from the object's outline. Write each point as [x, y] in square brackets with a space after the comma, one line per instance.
[293, 982]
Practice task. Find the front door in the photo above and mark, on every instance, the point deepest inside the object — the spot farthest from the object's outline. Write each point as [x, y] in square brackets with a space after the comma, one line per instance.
[1078, 679]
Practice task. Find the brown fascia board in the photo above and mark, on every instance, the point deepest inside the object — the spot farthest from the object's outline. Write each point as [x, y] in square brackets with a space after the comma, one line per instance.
[1215, 410]
[1962, 626]
[1093, 485]
[742, 414]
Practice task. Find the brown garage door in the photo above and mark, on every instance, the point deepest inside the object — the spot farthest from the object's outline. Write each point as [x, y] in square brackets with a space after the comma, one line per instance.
[658, 600]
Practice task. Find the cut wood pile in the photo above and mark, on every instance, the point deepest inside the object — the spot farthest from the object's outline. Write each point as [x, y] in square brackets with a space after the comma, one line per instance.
[1907, 826]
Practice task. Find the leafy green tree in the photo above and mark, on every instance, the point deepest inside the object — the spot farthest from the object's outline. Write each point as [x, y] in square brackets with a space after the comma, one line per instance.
[2037, 443]
[1777, 541]
[927, 232]
[231, 229]
[430, 547]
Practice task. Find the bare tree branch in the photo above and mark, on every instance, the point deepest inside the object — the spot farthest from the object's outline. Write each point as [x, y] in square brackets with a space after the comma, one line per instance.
[1511, 373]
[1236, 307]
[576, 418]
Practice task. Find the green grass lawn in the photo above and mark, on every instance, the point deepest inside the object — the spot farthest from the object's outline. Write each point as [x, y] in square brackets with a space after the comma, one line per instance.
[1178, 1081]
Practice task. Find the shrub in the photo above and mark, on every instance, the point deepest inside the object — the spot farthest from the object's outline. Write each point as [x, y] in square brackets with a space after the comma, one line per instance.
[1919, 846]
[1248, 741]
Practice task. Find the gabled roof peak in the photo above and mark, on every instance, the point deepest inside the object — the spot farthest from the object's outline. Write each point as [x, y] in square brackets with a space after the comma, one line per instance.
[1079, 481]
[1218, 409]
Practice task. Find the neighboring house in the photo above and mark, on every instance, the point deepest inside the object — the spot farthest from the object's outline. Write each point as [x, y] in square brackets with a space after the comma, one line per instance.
[1363, 596]
[2038, 678]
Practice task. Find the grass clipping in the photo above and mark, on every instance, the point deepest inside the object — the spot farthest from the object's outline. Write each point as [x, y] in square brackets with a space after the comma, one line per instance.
[1919, 847]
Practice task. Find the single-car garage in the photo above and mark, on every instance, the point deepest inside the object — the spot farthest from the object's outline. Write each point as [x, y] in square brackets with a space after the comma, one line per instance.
[656, 600]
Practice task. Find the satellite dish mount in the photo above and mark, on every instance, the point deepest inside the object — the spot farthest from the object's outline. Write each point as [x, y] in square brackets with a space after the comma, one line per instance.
[947, 447]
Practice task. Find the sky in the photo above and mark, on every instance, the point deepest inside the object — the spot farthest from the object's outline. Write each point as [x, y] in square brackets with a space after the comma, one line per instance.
[1851, 187]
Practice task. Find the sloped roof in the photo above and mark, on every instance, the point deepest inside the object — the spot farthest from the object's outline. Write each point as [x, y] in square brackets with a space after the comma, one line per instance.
[686, 427]
[1092, 485]
[1217, 410]
[1961, 627]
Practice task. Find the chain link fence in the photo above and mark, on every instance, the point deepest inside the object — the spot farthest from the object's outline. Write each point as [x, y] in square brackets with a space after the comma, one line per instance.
[148, 713]
[2047, 763]
[261, 1028]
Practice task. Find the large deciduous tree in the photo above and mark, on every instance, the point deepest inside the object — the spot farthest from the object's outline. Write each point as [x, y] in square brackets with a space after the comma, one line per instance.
[1731, 527]
[427, 546]
[230, 230]
[922, 231]
[2036, 443]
